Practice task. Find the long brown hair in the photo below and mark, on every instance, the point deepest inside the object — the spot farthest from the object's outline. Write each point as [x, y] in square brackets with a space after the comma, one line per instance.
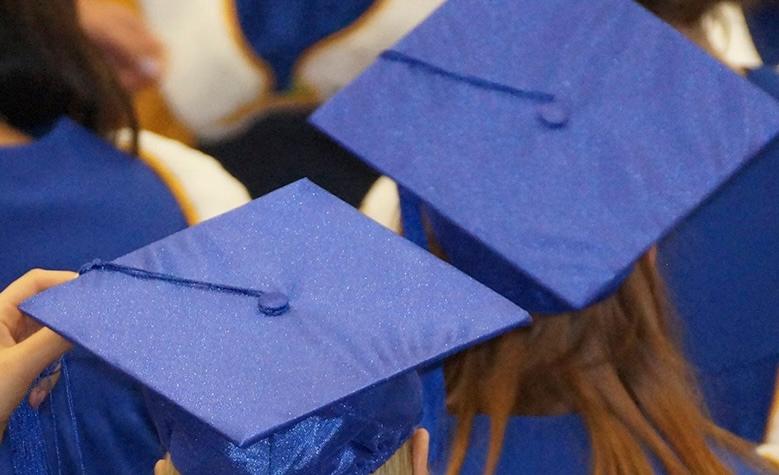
[618, 364]
[48, 69]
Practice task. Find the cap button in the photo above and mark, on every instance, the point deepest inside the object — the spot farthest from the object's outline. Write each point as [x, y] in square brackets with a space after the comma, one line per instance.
[273, 304]
[553, 114]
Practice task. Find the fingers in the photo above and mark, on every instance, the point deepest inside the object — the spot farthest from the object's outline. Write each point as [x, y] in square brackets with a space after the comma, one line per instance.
[127, 43]
[21, 364]
[134, 53]
[41, 390]
[33, 355]
[143, 43]
[165, 467]
[23, 359]
[14, 326]
[33, 282]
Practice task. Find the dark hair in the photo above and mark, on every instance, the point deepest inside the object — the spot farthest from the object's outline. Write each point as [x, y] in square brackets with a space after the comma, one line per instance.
[49, 69]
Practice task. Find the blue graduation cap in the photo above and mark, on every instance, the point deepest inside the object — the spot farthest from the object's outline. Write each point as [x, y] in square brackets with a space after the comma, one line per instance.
[721, 266]
[722, 262]
[551, 143]
[274, 314]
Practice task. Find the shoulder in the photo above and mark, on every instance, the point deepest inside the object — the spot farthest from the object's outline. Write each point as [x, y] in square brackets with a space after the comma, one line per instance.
[201, 185]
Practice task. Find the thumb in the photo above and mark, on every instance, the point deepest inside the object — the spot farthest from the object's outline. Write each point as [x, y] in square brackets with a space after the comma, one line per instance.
[21, 364]
[34, 354]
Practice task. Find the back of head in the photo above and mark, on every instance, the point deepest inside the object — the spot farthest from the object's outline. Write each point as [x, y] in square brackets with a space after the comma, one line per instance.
[49, 69]
[617, 364]
[368, 431]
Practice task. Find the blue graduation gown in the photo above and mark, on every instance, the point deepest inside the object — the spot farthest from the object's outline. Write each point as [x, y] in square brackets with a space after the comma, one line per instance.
[721, 274]
[763, 24]
[722, 270]
[542, 445]
[66, 199]
[532, 445]
[280, 32]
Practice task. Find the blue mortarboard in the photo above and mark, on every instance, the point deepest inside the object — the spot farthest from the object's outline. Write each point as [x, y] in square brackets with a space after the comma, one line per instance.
[723, 261]
[279, 310]
[551, 143]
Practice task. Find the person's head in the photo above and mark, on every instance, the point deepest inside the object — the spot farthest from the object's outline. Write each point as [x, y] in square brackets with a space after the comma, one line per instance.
[49, 69]
[550, 204]
[410, 459]
[617, 363]
[373, 430]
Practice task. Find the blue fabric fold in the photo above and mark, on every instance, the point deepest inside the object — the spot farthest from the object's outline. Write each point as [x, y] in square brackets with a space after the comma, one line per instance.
[76, 197]
[355, 436]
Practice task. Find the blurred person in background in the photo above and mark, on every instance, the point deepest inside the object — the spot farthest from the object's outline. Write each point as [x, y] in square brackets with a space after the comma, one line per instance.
[739, 34]
[739, 398]
[128, 46]
[67, 196]
[241, 77]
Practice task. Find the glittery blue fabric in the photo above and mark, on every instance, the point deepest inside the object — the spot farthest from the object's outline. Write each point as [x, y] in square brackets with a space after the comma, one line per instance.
[364, 306]
[28, 450]
[355, 436]
[65, 199]
[552, 207]
[281, 32]
[25, 441]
